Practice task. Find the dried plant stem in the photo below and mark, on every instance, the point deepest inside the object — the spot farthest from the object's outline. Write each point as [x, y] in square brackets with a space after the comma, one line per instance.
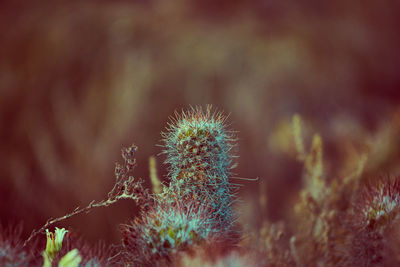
[77, 210]
[125, 187]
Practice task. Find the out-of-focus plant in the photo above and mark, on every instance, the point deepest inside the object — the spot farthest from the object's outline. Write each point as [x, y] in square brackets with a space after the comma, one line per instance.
[12, 251]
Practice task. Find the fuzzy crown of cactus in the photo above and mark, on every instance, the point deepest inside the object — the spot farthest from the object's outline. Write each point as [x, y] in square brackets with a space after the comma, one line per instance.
[198, 148]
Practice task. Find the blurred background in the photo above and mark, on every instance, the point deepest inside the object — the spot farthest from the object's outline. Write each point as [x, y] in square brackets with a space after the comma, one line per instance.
[81, 79]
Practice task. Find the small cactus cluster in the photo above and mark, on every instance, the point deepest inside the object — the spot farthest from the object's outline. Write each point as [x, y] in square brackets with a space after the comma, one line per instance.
[167, 230]
[196, 206]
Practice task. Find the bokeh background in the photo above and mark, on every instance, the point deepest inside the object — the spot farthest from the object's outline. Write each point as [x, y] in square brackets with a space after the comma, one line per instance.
[81, 79]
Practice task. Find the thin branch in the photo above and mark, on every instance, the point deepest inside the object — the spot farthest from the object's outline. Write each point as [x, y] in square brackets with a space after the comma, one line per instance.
[125, 187]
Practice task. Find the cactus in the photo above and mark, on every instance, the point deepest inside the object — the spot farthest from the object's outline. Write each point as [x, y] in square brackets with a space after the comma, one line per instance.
[198, 148]
[196, 206]
[375, 218]
[166, 230]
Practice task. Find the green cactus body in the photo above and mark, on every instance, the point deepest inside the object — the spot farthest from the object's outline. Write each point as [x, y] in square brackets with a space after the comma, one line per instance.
[196, 207]
[198, 149]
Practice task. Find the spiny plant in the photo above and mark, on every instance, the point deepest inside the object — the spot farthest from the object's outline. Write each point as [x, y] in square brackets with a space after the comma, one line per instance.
[198, 148]
[166, 230]
[196, 206]
[380, 204]
[12, 252]
[374, 219]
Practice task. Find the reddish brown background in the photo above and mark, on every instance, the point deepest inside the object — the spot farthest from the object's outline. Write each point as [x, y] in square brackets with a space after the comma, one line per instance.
[80, 79]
